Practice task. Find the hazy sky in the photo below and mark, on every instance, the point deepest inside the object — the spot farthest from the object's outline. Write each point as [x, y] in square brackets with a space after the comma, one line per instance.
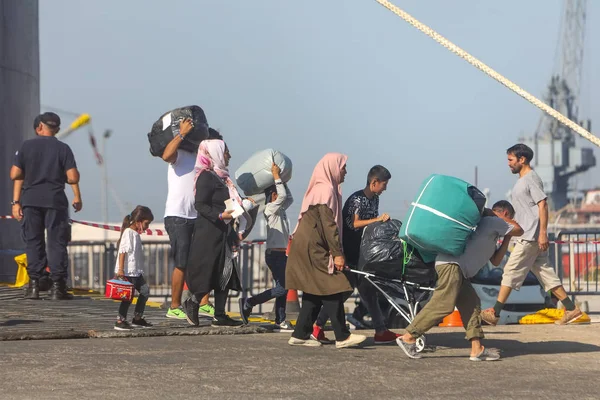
[306, 78]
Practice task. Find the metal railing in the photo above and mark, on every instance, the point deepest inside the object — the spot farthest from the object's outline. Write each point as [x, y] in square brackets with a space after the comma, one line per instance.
[577, 255]
[91, 264]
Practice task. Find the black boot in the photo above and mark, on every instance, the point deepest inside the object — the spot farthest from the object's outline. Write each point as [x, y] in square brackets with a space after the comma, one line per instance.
[59, 291]
[32, 291]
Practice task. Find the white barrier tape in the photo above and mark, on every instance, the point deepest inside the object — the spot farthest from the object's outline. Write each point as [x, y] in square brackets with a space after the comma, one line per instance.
[157, 232]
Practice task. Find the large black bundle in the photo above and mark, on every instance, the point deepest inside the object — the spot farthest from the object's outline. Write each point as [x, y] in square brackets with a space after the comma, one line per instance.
[384, 254]
[380, 242]
[167, 127]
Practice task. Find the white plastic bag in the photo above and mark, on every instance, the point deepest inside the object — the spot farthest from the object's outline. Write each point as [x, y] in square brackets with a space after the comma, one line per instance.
[254, 176]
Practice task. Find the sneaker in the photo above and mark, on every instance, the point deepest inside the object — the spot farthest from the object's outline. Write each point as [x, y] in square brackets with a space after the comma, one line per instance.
[351, 341]
[191, 312]
[410, 349]
[284, 326]
[308, 343]
[141, 323]
[225, 320]
[569, 316]
[386, 337]
[176, 313]
[319, 335]
[207, 310]
[123, 326]
[486, 355]
[489, 317]
[244, 311]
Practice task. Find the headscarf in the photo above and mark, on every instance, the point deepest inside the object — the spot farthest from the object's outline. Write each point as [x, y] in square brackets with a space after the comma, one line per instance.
[325, 188]
[211, 157]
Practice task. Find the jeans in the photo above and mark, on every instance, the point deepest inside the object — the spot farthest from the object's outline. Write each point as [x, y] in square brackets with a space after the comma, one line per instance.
[180, 232]
[276, 261]
[311, 305]
[53, 252]
[144, 292]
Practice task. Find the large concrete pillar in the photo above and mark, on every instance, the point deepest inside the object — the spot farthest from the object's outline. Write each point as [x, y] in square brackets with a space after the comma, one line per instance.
[19, 104]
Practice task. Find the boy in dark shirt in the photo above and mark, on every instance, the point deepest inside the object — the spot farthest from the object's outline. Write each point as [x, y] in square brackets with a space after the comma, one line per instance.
[41, 168]
[360, 210]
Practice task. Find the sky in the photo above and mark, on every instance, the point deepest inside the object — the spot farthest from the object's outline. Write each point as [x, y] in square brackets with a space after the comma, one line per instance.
[306, 78]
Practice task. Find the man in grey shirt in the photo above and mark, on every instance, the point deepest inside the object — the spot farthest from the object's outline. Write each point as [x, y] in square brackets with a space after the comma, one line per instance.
[531, 250]
[453, 288]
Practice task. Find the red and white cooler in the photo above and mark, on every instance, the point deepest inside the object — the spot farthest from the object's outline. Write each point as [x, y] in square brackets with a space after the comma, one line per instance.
[117, 289]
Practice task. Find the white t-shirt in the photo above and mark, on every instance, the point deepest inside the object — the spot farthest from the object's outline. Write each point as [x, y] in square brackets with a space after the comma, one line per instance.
[180, 180]
[131, 244]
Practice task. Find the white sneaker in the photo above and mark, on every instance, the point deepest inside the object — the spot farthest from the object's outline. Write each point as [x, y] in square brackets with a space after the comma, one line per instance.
[299, 342]
[352, 340]
[285, 326]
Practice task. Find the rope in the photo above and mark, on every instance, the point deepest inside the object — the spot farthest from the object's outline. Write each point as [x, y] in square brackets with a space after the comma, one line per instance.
[405, 257]
[490, 72]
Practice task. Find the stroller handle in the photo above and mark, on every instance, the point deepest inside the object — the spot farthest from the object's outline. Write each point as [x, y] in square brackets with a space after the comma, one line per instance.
[370, 275]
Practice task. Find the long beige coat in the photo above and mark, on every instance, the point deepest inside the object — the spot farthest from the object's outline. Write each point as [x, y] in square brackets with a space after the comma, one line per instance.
[316, 238]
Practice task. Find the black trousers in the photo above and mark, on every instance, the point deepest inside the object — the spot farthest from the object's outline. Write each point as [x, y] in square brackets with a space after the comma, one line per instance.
[220, 300]
[324, 315]
[311, 305]
[36, 220]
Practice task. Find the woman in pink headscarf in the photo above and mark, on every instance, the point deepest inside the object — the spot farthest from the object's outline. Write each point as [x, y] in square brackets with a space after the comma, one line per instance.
[210, 264]
[316, 259]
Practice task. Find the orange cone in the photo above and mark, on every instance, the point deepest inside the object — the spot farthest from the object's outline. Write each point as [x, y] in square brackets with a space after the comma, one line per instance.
[292, 307]
[452, 320]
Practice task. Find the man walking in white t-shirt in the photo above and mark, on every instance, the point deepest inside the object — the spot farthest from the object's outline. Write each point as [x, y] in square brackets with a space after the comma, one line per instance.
[180, 215]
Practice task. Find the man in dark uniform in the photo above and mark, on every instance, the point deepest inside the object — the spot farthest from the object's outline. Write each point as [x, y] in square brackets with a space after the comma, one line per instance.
[40, 170]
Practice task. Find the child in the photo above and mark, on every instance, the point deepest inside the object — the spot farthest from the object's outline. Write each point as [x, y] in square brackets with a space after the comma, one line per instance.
[360, 210]
[278, 199]
[129, 264]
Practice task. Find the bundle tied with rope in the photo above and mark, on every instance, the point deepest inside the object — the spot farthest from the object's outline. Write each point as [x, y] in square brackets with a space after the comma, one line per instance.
[384, 254]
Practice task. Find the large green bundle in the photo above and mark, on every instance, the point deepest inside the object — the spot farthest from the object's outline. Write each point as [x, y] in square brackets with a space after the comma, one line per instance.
[444, 214]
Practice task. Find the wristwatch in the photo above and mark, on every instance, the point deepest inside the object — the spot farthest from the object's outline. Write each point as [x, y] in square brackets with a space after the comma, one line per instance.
[14, 202]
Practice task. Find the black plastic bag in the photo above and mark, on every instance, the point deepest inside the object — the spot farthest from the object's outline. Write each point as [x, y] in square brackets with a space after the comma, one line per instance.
[380, 242]
[167, 127]
[384, 254]
[478, 198]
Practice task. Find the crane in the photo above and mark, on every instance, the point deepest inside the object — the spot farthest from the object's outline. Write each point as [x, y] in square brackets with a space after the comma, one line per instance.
[557, 156]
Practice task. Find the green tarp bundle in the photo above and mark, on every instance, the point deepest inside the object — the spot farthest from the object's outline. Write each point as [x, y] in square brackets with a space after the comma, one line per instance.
[443, 215]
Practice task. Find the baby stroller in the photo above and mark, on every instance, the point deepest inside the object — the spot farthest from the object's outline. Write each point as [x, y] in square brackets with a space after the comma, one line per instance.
[396, 270]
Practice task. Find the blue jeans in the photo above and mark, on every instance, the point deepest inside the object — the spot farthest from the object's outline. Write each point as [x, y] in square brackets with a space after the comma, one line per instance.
[276, 261]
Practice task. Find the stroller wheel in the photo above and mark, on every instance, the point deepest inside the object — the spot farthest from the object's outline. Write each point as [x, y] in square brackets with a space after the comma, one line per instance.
[421, 344]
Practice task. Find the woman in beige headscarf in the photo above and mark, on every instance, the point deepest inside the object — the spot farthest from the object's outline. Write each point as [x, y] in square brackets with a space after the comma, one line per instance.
[315, 259]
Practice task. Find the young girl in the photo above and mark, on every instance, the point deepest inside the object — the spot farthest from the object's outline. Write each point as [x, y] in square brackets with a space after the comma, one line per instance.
[129, 264]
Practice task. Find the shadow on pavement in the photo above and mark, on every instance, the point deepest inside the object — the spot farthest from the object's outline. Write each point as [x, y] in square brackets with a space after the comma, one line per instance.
[15, 322]
[512, 348]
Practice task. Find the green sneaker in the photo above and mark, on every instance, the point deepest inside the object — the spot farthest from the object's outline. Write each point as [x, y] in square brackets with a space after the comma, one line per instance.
[207, 310]
[176, 313]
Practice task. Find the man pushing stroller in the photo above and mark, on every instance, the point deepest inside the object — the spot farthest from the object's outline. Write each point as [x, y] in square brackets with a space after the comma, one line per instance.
[453, 288]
